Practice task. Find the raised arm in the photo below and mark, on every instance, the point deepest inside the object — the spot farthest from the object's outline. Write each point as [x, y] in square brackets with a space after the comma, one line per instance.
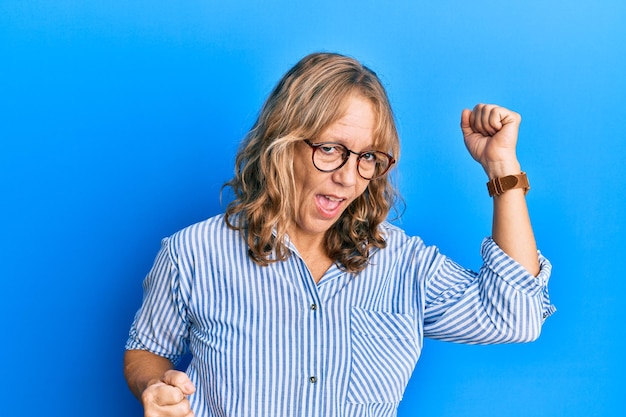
[490, 134]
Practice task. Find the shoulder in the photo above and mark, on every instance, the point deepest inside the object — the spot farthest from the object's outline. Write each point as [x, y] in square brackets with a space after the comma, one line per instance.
[208, 226]
[407, 249]
[396, 236]
[199, 236]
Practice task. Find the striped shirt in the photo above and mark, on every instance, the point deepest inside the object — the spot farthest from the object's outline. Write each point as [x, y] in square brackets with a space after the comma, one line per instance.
[269, 341]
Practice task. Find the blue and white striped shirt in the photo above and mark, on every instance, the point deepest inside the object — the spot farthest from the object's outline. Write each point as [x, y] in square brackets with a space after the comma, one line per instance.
[269, 341]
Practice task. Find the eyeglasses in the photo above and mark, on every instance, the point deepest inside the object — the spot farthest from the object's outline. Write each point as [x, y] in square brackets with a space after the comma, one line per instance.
[330, 156]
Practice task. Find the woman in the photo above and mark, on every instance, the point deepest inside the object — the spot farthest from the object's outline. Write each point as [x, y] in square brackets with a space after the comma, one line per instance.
[301, 299]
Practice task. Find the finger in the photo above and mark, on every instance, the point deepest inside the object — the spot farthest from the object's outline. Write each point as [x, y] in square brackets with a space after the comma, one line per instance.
[487, 120]
[479, 120]
[179, 380]
[162, 395]
[494, 119]
[509, 117]
[179, 409]
[466, 124]
[475, 120]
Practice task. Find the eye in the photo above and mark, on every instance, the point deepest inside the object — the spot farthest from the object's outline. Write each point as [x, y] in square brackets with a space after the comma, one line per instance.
[330, 149]
[368, 157]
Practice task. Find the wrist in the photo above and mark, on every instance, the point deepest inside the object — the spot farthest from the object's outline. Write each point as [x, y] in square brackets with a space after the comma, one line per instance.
[502, 169]
[499, 185]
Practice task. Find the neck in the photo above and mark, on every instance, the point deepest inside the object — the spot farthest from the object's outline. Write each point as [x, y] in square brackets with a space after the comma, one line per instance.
[312, 250]
[307, 244]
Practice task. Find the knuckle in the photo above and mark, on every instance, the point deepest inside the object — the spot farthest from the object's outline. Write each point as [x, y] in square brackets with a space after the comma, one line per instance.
[170, 377]
[171, 373]
[161, 394]
[148, 395]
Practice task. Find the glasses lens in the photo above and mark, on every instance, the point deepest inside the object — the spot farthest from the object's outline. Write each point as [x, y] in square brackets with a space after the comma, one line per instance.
[373, 164]
[330, 156]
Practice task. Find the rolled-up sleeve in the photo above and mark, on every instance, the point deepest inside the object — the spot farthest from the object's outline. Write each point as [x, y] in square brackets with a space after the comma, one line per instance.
[160, 326]
[502, 303]
[504, 266]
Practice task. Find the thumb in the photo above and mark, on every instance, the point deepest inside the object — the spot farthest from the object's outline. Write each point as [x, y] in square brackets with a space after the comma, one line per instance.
[179, 380]
[466, 123]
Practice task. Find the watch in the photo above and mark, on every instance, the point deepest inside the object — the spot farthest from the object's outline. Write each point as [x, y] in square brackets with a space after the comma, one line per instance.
[500, 185]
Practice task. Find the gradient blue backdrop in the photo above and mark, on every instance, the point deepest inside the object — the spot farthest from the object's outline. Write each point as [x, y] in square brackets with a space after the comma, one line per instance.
[119, 121]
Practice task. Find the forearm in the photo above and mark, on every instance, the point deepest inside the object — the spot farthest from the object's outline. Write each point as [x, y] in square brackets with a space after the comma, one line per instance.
[143, 368]
[511, 229]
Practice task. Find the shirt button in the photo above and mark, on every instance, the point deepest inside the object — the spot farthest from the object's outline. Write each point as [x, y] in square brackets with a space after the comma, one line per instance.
[313, 307]
[312, 380]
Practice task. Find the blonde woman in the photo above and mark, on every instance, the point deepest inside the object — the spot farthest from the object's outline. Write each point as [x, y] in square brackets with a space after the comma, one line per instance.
[301, 299]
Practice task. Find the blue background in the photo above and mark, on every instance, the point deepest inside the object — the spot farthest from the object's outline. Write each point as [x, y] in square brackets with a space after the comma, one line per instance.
[119, 121]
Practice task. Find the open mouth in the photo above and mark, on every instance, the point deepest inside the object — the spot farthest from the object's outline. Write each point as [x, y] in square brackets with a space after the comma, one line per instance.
[328, 205]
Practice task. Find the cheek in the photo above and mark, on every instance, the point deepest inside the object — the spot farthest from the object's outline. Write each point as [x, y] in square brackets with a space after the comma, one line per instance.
[308, 183]
[361, 187]
[302, 169]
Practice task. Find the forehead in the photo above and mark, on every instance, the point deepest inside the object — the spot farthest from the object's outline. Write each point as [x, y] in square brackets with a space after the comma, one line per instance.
[356, 126]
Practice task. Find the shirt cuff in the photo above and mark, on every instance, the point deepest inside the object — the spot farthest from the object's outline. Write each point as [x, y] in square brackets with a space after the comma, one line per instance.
[133, 343]
[514, 274]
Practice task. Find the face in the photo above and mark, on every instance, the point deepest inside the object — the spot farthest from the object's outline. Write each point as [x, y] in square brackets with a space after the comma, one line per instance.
[323, 196]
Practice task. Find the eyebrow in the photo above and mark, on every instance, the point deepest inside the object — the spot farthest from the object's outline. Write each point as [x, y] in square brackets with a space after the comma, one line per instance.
[369, 147]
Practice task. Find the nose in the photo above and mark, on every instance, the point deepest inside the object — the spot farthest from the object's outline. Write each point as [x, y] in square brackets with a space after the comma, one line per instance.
[347, 175]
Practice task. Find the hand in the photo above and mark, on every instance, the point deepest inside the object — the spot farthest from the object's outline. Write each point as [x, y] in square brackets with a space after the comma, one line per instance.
[490, 134]
[168, 396]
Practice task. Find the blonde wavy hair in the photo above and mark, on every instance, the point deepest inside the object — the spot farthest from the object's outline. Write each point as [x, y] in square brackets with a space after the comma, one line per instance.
[311, 96]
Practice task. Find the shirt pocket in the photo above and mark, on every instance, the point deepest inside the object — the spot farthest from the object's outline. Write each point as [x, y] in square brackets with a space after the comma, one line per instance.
[384, 354]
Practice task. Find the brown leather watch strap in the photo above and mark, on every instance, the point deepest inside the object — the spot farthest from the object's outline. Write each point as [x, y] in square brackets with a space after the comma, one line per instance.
[500, 185]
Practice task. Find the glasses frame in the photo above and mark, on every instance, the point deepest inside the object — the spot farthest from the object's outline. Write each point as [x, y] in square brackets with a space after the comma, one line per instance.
[359, 155]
